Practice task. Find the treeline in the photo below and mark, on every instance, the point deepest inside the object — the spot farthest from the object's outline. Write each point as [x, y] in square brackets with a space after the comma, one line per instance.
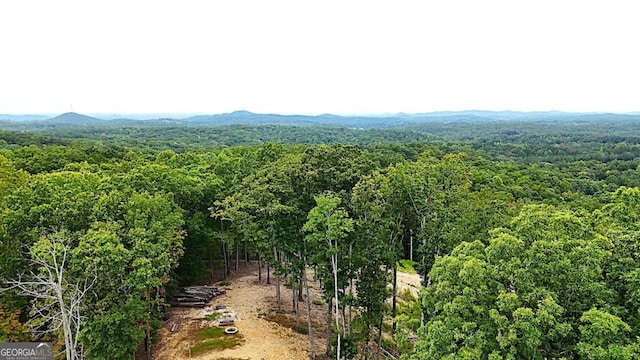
[186, 137]
[572, 132]
[519, 259]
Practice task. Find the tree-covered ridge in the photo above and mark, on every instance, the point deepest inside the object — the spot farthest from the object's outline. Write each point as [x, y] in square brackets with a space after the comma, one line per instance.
[570, 132]
[526, 249]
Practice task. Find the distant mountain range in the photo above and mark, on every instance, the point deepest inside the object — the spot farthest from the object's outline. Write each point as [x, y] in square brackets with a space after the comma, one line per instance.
[249, 118]
[74, 118]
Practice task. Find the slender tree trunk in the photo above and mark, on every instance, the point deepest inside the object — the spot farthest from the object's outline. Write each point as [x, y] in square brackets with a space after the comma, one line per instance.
[66, 324]
[278, 299]
[226, 259]
[296, 304]
[246, 254]
[380, 336]
[375, 352]
[410, 244]
[237, 256]
[275, 255]
[293, 294]
[312, 347]
[211, 262]
[268, 274]
[365, 344]
[329, 313]
[225, 253]
[345, 328]
[259, 269]
[334, 262]
[368, 349]
[395, 293]
[421, 308]
[329, 320]
[303, 275]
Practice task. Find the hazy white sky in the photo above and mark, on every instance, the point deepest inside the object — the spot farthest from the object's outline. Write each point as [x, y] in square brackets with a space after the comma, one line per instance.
[312, 57]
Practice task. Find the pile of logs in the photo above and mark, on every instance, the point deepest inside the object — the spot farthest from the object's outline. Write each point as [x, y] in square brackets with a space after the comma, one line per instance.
[196, 296]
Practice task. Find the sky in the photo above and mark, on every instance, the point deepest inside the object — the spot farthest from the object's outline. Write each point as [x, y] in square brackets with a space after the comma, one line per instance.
[312, 57]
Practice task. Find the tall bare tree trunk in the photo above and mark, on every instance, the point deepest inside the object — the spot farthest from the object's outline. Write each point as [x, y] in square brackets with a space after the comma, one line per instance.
[421, 308]
[312, 347]
[278, 299]
[225, 253]
[226, 259]
[334, 263]
[410, 244]
[380, 337]
[329, 314]
[211, 262]
[259, 269]
[303, 275]
[295, 301]
[395, 293]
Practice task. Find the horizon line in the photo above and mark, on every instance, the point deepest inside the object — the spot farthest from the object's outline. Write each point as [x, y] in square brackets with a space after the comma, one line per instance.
[364, 114]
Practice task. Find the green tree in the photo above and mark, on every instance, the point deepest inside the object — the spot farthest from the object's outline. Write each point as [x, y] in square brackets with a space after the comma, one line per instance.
[10, 177]
[377, 228]
[142, 234]
[605, 337]
[521, 296]
[327, 227]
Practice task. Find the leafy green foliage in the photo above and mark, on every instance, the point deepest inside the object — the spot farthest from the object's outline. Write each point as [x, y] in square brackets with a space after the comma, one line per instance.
[406, 266]
[525, 293]
[525, 233]
[605, 336]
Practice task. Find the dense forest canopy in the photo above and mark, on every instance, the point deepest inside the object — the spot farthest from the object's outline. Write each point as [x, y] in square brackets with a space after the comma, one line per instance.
[524, 231]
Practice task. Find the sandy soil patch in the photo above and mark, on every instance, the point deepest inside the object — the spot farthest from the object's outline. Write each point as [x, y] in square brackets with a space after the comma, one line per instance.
[251, 301]
[409, 281]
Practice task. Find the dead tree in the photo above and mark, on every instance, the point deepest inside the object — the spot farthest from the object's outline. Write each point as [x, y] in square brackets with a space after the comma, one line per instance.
[57, 296]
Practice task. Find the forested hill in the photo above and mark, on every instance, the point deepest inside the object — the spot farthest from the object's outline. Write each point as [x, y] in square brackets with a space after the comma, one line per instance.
[524, 231]
[482, 128]
[30, 122]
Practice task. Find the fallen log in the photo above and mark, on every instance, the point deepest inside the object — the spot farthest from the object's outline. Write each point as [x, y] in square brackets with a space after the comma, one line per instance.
[189, 304]
[188, 296]
[196, 296]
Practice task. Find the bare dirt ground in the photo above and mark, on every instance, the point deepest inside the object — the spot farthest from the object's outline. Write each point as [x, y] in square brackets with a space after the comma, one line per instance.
[252, 301]
[409, 281]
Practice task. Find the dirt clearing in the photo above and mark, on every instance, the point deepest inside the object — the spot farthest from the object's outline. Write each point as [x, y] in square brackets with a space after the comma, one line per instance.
[252, 303]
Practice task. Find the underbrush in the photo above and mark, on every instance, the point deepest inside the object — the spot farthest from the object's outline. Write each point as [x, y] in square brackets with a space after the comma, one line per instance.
[407, 266]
